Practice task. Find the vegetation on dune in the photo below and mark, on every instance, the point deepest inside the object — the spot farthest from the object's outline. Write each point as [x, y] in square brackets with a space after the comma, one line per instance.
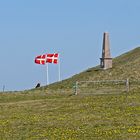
[54, 113]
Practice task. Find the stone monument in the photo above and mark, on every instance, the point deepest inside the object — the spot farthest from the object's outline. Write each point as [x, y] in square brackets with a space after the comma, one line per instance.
[106, 60]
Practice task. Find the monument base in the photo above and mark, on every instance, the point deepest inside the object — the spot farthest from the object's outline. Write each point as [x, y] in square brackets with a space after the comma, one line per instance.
[106, 63]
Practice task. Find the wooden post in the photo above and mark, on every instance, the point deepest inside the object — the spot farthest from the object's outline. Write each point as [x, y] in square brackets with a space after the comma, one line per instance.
[3, 88]
[127, 85]
[76, 88]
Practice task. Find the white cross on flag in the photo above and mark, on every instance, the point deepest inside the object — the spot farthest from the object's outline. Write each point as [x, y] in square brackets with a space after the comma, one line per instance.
[47, 58]
[52, 58]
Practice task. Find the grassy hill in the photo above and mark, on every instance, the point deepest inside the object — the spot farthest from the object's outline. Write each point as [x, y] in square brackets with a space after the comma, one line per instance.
[125, 66]
[48, 113]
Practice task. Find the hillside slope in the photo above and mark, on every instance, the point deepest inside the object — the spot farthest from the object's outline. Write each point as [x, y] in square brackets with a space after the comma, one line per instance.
[124, 66]
[38, 114]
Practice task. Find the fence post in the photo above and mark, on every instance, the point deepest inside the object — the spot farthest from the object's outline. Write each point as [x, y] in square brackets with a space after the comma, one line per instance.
[3, 88]
[76, 88]
[127, 85]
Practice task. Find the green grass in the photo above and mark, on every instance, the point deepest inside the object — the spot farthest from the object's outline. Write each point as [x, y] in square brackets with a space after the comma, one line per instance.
[66, 116]
[54, 113]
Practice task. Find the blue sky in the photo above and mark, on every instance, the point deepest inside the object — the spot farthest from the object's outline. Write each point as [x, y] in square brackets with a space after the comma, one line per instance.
[72, 27]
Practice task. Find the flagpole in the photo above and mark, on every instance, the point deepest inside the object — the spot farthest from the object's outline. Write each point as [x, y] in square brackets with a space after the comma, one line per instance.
[47, 73]
[47, 66]
[59, 69]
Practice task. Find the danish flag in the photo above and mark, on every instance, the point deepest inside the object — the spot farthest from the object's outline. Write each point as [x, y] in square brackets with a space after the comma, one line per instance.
[52, 58]
[47, 58]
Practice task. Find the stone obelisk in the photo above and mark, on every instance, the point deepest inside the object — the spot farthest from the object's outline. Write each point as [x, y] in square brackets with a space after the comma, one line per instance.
[106, 60]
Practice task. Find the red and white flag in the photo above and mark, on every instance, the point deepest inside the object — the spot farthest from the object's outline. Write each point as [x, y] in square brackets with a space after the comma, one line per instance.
[41, 59]
[47, 58]
[52, 58]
